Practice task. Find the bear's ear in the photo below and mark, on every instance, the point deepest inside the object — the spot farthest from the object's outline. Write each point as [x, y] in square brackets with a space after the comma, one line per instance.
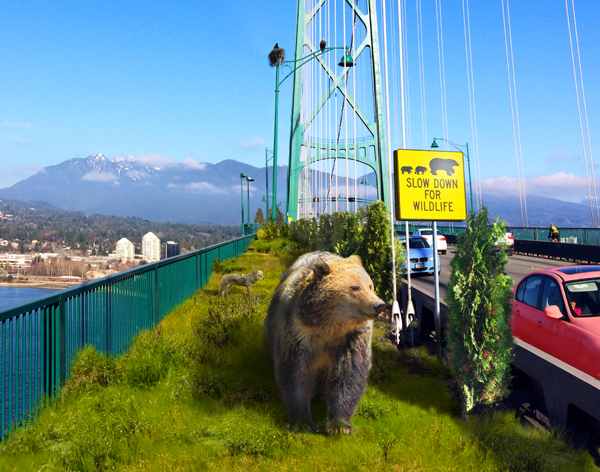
[356, 259]
[321, 269]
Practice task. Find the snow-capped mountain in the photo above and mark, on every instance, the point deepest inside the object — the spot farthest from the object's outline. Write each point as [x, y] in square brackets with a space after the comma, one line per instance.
[149, 187]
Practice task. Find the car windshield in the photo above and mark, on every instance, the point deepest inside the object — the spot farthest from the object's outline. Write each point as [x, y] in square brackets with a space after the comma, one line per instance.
[584, 298]
[418, 243]
[428, 232]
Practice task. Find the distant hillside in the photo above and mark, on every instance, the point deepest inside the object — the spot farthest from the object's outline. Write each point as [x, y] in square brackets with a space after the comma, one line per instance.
[209, 194]
[58, 228]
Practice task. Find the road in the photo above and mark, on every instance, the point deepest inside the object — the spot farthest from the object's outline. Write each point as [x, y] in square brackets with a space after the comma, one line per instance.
[517, 268]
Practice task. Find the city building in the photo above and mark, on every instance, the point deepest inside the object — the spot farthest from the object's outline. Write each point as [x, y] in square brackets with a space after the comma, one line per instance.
[150, 247]
[124, 249]
[169, 249]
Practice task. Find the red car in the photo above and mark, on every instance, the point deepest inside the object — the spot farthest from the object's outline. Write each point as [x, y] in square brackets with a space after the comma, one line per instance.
[558, 311]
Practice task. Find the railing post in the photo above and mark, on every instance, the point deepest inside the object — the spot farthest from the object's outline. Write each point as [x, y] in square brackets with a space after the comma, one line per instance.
[62, 342]
[155, 296]
[107, 319]
[197, 273]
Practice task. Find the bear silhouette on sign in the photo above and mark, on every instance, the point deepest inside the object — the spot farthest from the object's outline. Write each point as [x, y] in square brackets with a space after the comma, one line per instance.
[420, 170]
[446, 165]
[406, 169]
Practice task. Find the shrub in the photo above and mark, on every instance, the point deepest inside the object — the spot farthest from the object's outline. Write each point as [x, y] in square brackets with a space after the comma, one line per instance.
[479, 334]
[375, 249]
[343, 234]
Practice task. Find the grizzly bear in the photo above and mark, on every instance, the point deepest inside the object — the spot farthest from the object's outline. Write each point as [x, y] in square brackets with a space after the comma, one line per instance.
[318, 332]
[446, 165]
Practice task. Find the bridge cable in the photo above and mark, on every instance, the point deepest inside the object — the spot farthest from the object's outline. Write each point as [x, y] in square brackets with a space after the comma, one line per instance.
[513, 107]
[579, 111]
[442, 71]
[395, 308]
[421, 72]
[472, 108]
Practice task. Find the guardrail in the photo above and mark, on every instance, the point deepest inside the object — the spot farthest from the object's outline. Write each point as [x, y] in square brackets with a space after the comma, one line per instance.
[589, 236]
[40, 339]
[584, 253]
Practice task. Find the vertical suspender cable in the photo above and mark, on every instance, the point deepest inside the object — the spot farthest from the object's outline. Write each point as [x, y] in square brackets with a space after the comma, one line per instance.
[579, 111]
[512, 106]
[410, 310]
[440, 41]
[421, 72]
[355, 102]
[512, 60]
[472, 108]
[587, 126]
[395, 307]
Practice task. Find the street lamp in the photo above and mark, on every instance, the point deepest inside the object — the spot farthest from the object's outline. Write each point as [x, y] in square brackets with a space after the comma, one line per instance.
[277, 59]
[249, 179]
[266, 199]
[459, 146]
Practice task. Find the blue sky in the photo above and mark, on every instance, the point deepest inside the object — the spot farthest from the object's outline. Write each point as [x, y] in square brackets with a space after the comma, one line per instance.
[181, 80]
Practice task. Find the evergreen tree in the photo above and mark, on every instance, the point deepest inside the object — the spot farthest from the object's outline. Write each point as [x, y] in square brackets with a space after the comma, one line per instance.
[259, 217]
[479, 298]
[375, 249]
[279, 218]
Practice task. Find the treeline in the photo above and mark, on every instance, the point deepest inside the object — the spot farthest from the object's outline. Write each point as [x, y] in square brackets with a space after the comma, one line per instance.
[80, 231]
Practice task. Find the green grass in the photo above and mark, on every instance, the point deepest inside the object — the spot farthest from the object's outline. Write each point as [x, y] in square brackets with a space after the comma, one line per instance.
[197, 394]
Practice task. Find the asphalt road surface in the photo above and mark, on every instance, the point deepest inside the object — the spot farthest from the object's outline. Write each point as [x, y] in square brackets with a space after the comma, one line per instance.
[517, 268]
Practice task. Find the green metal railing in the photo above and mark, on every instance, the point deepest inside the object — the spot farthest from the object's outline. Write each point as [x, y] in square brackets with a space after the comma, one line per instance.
[39, 340]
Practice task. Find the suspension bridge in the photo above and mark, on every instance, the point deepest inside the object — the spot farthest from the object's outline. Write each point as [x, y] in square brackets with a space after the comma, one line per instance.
[363, 86]
[351, 107]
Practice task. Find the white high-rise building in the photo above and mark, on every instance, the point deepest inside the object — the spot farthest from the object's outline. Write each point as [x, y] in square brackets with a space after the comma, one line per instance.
[124, 249]
[150, 247]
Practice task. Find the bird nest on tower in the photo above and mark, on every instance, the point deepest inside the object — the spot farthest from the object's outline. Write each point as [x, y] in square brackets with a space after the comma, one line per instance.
[276, 56]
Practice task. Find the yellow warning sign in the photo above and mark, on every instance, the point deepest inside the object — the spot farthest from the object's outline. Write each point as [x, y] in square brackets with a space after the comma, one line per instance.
[429, 185]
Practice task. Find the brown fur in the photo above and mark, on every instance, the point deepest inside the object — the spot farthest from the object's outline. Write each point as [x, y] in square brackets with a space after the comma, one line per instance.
[243, 280]
[318, 334]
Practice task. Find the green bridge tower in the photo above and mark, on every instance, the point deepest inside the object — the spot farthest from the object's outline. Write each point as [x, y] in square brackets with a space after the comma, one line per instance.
[337, 143]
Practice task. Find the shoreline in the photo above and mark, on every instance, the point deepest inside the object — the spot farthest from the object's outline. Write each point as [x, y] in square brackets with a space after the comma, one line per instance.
[50, 285]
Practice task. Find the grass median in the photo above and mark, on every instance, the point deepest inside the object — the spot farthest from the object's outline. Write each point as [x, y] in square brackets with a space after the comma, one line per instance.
[197, 393]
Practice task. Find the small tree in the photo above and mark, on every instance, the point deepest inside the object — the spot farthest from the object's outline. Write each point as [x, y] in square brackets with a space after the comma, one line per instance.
[479, 333]
[259, 217]
[375, 249]
[279, 218]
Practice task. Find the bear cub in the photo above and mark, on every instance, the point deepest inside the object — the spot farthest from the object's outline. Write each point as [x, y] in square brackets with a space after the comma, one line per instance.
[318, 333]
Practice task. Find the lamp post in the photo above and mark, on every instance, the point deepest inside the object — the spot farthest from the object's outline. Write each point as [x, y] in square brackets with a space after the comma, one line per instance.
[242, 198]
[434, 144]
[266, 199]
[243, 176]
[248, 180]
[277, 59]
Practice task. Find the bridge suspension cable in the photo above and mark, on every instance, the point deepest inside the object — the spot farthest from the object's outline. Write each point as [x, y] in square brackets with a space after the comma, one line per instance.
[514, 108]
[583, 141]
[472, 108]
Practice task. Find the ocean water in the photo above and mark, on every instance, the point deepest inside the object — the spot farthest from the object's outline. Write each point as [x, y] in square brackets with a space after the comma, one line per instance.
[14, 296]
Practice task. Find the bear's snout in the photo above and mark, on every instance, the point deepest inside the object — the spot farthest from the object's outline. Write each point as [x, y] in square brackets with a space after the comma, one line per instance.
[379, 307]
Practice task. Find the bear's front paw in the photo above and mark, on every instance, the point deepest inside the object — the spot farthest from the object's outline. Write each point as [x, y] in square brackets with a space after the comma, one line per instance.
[339, 426]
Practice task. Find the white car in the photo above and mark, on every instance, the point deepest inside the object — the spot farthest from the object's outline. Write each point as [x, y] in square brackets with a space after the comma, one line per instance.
[427, 233]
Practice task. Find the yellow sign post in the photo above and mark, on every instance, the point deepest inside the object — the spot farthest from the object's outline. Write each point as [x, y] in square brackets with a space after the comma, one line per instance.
[429, 185]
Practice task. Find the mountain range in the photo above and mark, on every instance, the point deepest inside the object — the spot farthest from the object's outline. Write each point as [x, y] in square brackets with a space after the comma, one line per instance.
[204, 193]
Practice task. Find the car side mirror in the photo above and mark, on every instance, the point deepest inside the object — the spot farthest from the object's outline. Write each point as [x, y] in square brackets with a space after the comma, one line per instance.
[552, 311]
